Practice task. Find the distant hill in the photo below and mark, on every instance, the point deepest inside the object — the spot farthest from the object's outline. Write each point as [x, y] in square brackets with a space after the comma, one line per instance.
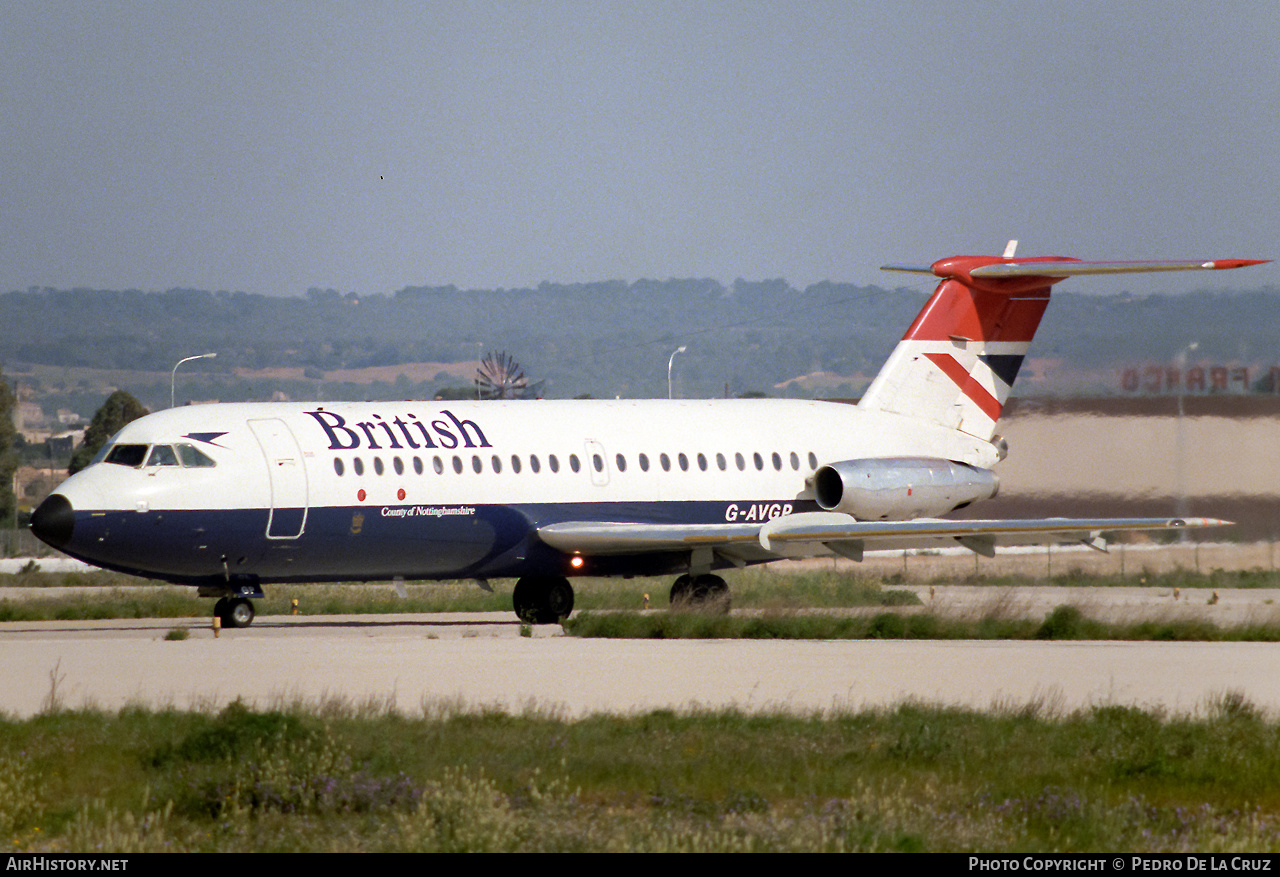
[607, 338]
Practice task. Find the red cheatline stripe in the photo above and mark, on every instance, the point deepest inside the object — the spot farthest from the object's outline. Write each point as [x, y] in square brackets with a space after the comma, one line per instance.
[952, 368]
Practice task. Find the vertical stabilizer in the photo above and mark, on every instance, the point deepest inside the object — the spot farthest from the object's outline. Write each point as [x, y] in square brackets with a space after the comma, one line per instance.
[957, 363]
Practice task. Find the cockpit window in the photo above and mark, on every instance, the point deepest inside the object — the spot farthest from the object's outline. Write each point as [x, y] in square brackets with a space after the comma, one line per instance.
[127, 455]
[193, 458]
[162, 455]
[104, 450]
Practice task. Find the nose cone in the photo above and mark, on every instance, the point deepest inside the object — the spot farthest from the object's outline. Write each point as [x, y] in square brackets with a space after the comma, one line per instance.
[53, 520]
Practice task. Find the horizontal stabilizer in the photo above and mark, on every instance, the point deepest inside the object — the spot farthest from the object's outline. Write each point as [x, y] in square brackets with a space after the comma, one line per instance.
[1072, 268]
[1059, 268]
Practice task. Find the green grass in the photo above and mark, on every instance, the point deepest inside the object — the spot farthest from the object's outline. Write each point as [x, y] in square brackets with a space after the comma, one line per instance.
[781, 602]
[1168, 580]
[340, 778]
[751, 589]
[1063, 623]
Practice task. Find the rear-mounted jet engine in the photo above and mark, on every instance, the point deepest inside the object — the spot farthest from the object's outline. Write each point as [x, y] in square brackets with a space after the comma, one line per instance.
[901, 488]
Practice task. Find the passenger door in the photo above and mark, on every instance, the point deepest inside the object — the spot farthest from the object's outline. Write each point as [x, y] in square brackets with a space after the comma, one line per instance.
[288, 515]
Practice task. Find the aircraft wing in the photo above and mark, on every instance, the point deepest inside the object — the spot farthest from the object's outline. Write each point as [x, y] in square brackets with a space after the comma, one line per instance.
[800, 535]
[738, 543]
[821, 533]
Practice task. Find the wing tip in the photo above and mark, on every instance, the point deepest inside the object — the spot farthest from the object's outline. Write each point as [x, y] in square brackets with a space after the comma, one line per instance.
[909, 269]
[1228, 264]
[1200, 522]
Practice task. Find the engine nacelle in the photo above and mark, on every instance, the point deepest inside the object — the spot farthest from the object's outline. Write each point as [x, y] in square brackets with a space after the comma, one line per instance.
[901, 488]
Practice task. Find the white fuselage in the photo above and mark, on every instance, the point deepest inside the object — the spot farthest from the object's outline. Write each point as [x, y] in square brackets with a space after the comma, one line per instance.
[440, 489]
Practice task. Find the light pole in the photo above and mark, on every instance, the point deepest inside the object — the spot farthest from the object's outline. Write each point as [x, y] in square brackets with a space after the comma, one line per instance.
[680, 349]
[1179, 440]
[174, 376]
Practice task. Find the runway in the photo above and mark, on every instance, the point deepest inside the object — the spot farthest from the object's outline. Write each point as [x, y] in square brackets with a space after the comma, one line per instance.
[413, 663]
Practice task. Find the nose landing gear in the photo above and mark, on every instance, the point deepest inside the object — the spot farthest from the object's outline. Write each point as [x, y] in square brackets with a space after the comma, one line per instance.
[234, 611]
[234, 607]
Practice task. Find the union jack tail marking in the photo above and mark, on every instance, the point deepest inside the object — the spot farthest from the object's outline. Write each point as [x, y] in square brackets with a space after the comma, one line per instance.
[957, 362]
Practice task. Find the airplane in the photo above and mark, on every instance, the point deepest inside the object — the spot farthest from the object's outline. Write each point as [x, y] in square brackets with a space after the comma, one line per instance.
[230, 497]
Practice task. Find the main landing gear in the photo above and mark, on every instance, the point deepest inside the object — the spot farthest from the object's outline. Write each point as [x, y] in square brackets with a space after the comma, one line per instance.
[543, 599]
[705, 592]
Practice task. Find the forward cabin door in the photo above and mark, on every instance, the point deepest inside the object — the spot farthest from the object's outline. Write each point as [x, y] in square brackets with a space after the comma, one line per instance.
[288, 515]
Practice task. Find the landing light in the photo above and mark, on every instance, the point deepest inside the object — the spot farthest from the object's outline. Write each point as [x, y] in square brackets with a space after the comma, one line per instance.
[576, 562]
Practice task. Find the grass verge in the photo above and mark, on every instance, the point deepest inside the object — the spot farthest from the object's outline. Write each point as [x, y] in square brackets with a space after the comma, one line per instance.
[1063, 623]
[339, 778]
[129, 597]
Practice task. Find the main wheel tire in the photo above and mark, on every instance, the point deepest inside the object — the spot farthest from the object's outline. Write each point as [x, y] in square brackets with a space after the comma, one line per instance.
[704, 593]
[542, 599]
[711, 594]
[559, 601]
[524, 599]
[681, 593]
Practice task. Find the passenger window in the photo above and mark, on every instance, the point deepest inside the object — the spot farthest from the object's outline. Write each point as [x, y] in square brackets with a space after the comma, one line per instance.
[720, 461]
[337, 466]
[162, 455]
[795, 461]
[759, 461]
[573, 463]
[684, 462]
[665, 461]
[457, 465]
[438, 465]
[193, 458]
[477, 465]
[644, 462]
[777, 461]
[533, 463]
[742, 464]
[702, 462]
[417, 465]
[515, 464]
[497, 463]
[813, 460]
[357, 465]
[398, 465]
[553, 463]
[377, 465]
[622, 463]
[597, 462]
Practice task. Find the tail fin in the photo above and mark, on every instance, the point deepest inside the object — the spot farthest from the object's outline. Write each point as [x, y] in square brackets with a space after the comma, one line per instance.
[957, 362]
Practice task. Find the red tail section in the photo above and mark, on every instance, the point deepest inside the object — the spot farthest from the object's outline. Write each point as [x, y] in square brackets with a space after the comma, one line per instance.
[957, 362]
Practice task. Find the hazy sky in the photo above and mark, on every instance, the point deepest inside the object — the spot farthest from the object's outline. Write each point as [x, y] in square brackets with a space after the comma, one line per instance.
[271, 147]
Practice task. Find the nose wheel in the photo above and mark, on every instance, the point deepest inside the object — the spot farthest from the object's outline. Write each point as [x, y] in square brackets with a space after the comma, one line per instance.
[234, 611]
